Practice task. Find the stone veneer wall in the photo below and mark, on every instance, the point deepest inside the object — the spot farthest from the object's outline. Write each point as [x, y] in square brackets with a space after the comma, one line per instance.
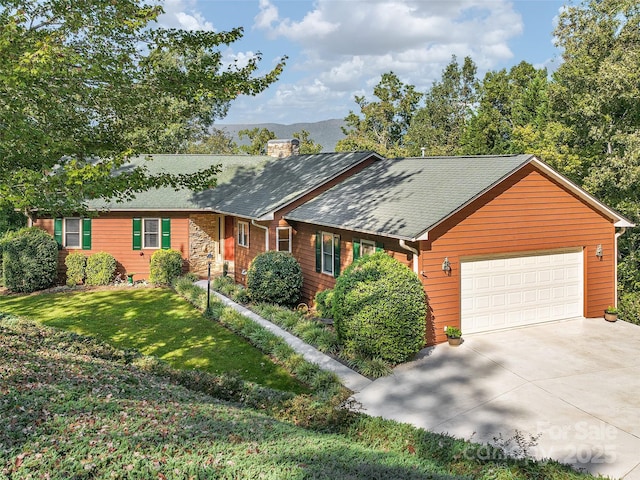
[203, 228]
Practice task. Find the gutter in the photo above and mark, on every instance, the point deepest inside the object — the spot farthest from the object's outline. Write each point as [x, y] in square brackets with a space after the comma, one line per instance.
[415, 252]
[266, 234]
[615, 246]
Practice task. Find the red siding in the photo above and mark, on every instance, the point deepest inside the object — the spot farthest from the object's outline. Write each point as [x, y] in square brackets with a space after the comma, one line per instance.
[244, 255]
[304, 250]
[527, 213]
[113, 233]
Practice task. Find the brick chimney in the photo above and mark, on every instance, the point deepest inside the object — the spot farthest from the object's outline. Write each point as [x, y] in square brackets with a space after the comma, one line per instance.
[283, 148]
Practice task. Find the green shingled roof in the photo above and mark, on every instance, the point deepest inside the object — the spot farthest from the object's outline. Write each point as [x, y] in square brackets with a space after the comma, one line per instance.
[247, 186]
[281, 181]
[167, 198]
[403, 198]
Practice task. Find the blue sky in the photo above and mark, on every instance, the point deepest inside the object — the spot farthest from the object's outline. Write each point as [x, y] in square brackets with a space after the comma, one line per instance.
[340, 48]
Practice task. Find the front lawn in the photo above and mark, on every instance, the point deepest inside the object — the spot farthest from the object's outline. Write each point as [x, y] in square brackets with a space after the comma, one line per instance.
[155, 322]
[67, 413]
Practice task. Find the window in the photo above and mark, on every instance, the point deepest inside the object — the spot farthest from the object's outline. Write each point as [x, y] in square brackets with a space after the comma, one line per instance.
[151, 233]
[328, 253]
[362, 247]
[367, 247]
[243, 234]
[73, 232]
[283, 235]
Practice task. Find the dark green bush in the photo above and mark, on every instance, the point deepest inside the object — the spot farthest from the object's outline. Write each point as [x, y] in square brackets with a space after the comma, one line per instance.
[76, 264]
[29, 260]
[275, 277]
[166, 266]
[379, 309]
[4, 239]
[324, 303]
[101, 268]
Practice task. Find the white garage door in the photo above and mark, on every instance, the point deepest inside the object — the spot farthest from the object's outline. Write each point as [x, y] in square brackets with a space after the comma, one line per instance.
[512, 292]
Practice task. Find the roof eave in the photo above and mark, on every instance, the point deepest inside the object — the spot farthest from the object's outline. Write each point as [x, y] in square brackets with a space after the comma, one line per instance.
[270, 214]
[424, 235]
[362, 231]
[618, 219]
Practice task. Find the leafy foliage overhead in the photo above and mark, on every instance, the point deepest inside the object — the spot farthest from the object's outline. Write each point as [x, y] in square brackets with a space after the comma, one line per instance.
[82, 80]
[384, 122]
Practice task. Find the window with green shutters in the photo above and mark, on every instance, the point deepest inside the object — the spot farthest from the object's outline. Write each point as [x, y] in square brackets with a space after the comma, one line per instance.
[362, 247]
[328, 253]
[151, 233]
[73, 232]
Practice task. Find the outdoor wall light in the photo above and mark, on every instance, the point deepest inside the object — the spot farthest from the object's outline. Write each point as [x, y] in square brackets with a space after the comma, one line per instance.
[599, 253]
[446, 265]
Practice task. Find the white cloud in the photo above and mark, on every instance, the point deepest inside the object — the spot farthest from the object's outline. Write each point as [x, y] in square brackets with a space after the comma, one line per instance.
[348, 44]
[184, 15]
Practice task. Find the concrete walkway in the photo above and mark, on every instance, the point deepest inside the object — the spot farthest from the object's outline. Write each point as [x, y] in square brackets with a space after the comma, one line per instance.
[350, 379]
[574, 383]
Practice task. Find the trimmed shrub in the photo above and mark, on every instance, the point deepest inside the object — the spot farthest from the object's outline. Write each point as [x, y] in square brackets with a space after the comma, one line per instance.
[76, 264]
[275, 277]
[4, 239]
[379, 309]
[29, 260]
[166, 266]
[101, 268]
[324, 303]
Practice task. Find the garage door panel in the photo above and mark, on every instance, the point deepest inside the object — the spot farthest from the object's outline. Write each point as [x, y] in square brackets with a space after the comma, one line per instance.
[518, 291]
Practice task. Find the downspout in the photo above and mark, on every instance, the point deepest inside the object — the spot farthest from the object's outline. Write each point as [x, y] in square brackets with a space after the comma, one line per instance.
[415, 252]
[266, 234]
[618, 235]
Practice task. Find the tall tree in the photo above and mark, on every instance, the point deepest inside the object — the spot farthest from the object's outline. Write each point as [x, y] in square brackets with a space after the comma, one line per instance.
[384, 122]
[307, 145]
[436, 128]
[258, 138]
[507, 100]
[215, 142]
[596, 94]
[86, 84]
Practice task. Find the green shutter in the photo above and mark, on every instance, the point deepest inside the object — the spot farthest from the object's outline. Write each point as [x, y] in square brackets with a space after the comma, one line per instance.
[336, 256]
[318, 251]
[86, 234]
[137, 234]
[57, 231]
[166, 233]
[379, 247]
[356, 249]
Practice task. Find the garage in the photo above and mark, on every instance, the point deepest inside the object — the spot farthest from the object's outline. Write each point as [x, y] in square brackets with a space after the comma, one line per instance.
[515, 291]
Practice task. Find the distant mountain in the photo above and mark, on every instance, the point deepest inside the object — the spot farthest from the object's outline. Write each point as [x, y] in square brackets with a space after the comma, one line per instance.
[326, 133]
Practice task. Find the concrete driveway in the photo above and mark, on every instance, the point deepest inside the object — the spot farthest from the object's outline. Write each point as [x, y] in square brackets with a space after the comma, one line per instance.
[574, 383]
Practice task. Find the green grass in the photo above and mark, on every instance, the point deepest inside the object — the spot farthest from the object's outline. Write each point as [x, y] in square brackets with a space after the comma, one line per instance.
[156, 322]
[67, 415]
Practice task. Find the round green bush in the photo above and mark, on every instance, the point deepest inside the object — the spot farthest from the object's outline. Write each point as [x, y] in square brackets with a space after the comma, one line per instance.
[29, 260]
[166, 266]
[76, 264]
[379, 309]
[275, 277]
[324, 303]
[101, 268]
